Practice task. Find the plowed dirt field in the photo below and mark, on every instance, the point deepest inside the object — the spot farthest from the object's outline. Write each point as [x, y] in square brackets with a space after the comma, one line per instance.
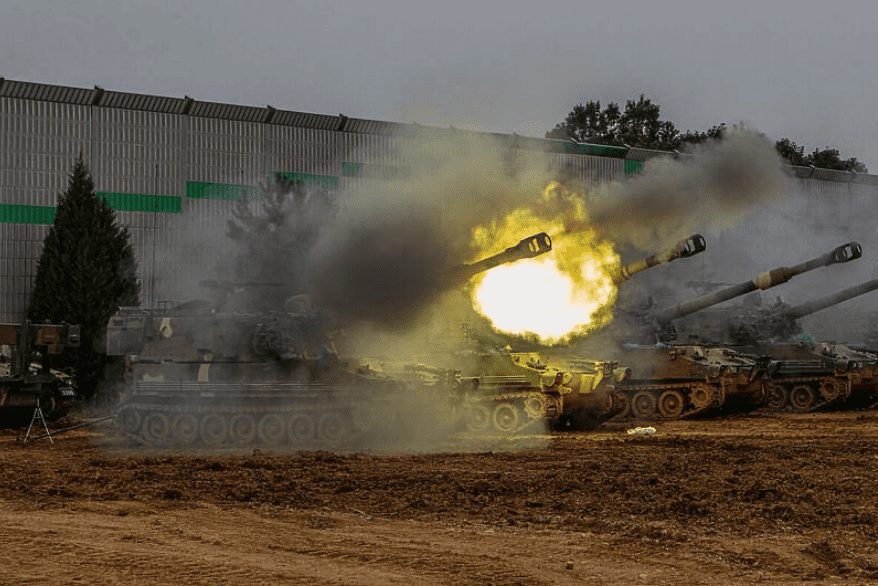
[781, 499]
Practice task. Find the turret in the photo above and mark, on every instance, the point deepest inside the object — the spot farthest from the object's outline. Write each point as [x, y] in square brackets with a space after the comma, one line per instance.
[685, 248]
[779, 322]
[766, 280]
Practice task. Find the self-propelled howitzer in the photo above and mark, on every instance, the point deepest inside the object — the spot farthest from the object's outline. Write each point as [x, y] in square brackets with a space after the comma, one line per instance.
[230, 374]
[27, 379]
[508, 391]
[806, 375]
[662, 319]
[683, 379]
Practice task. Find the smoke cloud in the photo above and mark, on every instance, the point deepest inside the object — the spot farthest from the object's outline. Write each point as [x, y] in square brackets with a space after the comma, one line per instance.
[711, 190]
[387, 258]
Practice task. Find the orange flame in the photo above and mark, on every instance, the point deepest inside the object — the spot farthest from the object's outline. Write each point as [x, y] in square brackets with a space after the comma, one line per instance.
[555, 296]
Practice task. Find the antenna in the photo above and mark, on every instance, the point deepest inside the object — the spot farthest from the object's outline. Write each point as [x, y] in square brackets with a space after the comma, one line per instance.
[155, 232]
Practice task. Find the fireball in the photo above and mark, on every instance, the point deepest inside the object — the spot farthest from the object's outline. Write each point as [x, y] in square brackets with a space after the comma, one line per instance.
[553, 297]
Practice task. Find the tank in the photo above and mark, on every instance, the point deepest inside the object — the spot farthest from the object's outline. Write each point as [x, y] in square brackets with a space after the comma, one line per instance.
[807, 375]
[672, 378]
[498, 390]
[510, 392]
[202, 374]
[27, 377]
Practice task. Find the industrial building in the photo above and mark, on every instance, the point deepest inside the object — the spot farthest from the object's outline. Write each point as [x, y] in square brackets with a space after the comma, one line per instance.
[173, 168]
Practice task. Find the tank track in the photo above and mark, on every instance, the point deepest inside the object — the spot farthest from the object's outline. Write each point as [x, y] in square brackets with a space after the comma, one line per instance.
[806, 393]
[297, 421]
[650, 402]
[508, 412]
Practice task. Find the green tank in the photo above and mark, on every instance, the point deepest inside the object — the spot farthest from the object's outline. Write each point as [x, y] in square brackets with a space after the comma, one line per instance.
[27, 376]
[211, 374]
[673, 378]
[805, 374]
[499, 390]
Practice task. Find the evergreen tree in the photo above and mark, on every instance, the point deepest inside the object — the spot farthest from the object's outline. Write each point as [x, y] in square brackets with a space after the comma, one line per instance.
[86, 271]
[277, 233]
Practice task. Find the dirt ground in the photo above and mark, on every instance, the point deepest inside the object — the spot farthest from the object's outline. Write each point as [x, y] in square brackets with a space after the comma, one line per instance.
[778, 499]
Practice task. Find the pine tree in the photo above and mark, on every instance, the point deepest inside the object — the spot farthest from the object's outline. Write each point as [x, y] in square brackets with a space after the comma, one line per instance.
[86, 271]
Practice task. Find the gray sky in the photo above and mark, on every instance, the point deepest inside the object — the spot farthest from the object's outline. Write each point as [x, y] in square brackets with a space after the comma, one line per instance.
[803, 70]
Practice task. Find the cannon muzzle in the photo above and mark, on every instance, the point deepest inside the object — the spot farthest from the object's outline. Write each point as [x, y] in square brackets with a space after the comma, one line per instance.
[529, 247]
[683, 249]
[766, 280]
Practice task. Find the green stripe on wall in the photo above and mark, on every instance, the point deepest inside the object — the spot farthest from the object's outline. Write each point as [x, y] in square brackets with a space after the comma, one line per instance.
[351, 169]
[324, 181]
[223, 191]
[233, 192]
[21, 214]
[140, 202]
[632, 167]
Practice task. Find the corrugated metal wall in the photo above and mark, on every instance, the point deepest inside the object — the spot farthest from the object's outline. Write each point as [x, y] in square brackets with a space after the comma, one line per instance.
[38, 144]
[173, 169]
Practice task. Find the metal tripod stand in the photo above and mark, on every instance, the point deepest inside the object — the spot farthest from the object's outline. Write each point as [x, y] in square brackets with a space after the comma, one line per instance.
[38, 416]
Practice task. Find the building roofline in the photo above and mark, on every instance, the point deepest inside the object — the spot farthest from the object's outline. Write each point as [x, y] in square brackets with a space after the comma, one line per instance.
[186, 106]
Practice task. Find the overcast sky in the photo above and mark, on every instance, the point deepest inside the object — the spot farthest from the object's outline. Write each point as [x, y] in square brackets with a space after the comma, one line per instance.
[802, 70]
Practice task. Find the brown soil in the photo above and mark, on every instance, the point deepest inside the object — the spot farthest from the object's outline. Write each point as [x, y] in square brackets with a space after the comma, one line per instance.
[782, 499]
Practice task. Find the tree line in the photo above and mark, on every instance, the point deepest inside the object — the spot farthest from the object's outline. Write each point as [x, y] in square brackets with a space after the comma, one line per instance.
[640, 125]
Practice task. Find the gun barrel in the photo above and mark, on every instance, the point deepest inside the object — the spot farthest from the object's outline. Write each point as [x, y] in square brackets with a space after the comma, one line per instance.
[685, 248]
[766, 280]
[816, 305]
[529, 247]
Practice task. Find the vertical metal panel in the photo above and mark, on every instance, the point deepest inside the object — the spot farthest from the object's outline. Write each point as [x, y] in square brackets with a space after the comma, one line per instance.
[44, 140]
[225, 151]
[302, 150]
[138, 152]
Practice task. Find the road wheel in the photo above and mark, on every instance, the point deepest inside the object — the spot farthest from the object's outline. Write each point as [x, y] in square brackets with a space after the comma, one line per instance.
[301, 429]
[129, 420]
[156, 428]
[50, 405]
[214, 429]
[621, 408]
[671, 404]
[536, 406]
[802, 398]
[242, 429]
[271, 429]
[479, 418]
[832, 389]
[331, 429]
[506, 417]
[776, 397]
[701, 397]
[643, 405]
[185, 429]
